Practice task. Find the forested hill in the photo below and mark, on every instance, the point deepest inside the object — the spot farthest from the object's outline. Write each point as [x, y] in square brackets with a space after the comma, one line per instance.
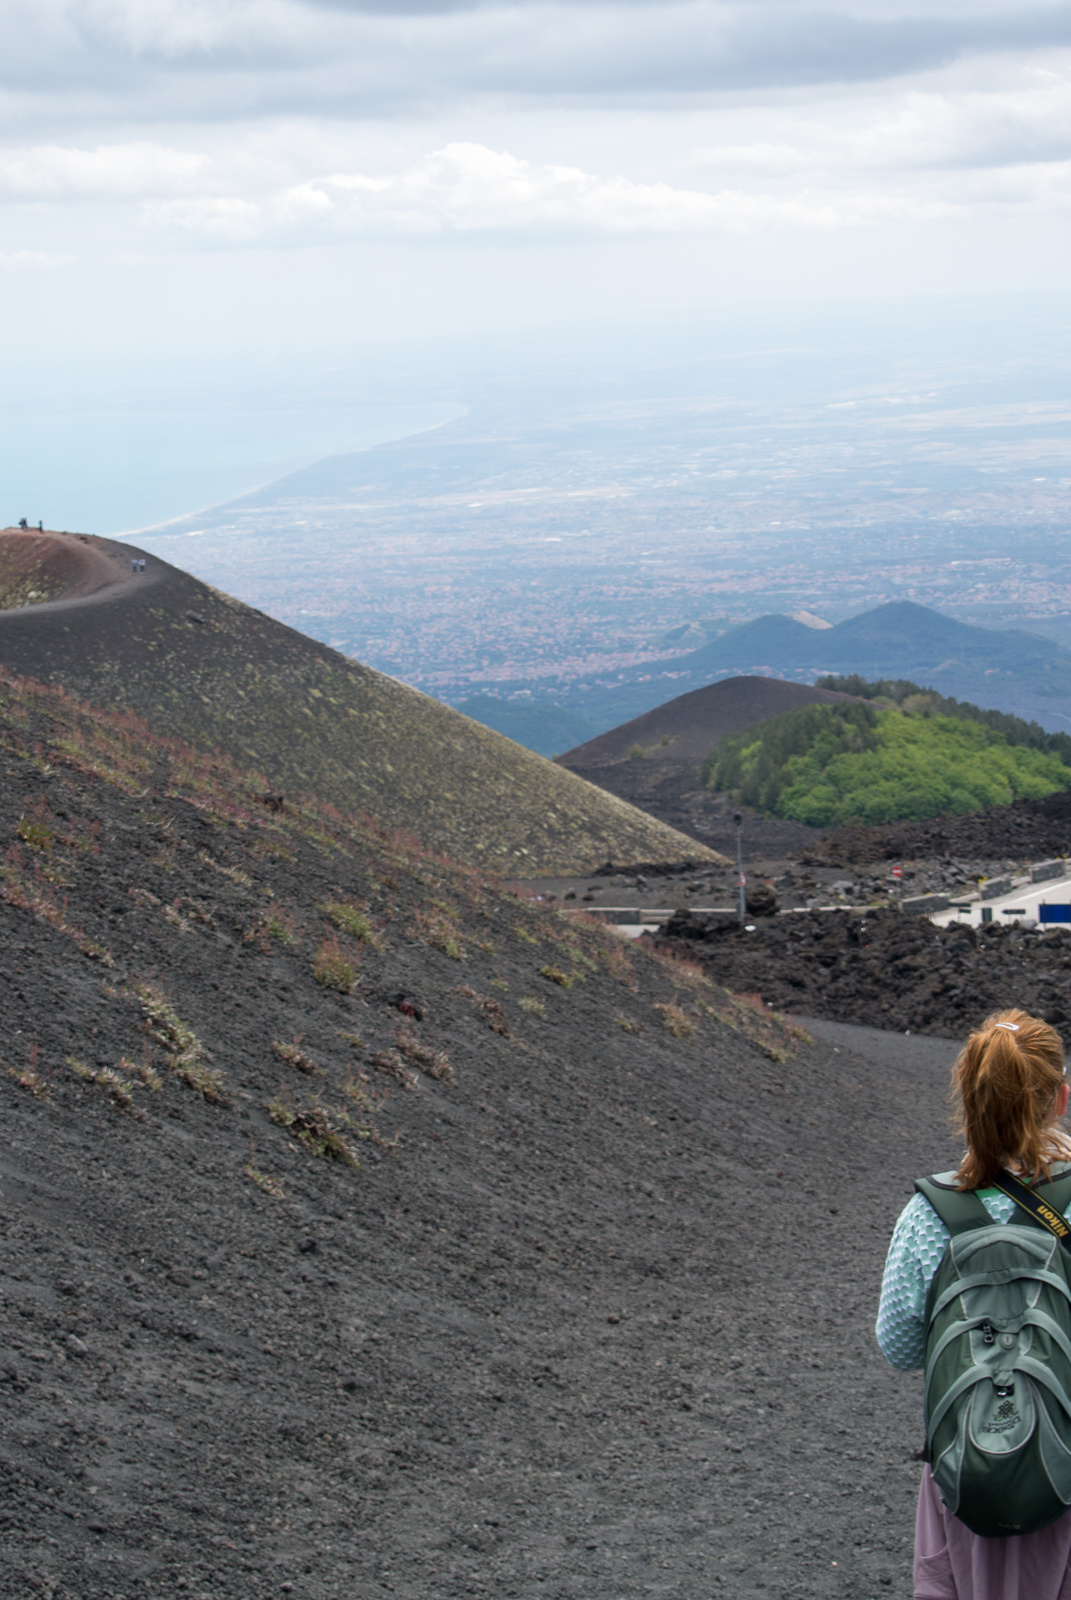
[826, 765]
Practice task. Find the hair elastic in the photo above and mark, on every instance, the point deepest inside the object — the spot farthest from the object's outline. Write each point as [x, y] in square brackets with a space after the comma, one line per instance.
[1012, 1027]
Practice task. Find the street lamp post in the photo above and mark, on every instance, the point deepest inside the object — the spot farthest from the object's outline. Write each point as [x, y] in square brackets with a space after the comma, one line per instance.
[741, 880]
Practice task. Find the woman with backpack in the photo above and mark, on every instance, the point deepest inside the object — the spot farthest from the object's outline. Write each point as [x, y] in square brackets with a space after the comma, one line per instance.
[977, 1291]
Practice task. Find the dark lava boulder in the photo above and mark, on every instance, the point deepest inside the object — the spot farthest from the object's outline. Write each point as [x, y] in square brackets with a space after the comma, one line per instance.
[885, 969]
[762, 901]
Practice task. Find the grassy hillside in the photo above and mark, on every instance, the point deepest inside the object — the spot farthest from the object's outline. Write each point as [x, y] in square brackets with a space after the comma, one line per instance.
[826, 765]
[198, 664]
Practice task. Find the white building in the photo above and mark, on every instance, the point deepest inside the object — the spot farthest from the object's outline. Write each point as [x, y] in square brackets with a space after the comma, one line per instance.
[1041, 897]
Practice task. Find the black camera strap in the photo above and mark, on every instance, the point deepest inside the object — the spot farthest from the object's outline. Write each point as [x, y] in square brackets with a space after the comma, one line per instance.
[1044, 1213]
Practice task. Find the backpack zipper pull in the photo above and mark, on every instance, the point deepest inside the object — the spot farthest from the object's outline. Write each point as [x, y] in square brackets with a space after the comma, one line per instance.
[988, 1335]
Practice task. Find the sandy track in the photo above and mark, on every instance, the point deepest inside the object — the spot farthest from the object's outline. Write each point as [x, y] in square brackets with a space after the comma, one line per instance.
[72, 567]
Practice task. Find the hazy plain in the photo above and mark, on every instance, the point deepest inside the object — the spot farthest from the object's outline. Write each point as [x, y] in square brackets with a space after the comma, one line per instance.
[600, 491]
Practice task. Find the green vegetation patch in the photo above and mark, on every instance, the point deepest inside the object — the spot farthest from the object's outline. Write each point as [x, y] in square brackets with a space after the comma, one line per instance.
[352, 919]
[334, 967]
[317, 1128]
[916, 701]
[829, 764]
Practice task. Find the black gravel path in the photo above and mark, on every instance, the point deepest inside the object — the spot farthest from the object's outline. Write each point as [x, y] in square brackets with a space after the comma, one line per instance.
[882, 1049]
[600, 1327]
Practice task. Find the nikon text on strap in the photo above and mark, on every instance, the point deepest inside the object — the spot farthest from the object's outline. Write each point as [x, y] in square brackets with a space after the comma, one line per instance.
[961, 1210]
[1046, 1215]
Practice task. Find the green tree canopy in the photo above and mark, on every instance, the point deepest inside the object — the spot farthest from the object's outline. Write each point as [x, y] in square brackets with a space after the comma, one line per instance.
[920, 702]
[829, 764]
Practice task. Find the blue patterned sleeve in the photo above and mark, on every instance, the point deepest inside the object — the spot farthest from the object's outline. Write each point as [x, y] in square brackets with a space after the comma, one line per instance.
[918, 1243]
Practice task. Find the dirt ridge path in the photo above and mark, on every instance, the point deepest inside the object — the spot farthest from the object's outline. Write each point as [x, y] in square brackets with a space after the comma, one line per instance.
[72, 569]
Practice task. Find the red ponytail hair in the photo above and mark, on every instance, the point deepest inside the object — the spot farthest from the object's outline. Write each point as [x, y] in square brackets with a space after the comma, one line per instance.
[1004, 1083]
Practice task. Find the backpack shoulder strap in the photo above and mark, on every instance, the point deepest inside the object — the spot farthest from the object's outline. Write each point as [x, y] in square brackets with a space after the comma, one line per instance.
[959, 1211]
[1044, 1205]
[1057, 1192]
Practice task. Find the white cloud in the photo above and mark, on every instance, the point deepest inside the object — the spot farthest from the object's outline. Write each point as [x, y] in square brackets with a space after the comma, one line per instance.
[189, 60]
[942, 142]
[46, 172]
[467, 188]
[989, 133]
[950, 148]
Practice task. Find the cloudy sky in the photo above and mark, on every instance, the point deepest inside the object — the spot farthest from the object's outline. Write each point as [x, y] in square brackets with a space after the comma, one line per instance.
[204, 175]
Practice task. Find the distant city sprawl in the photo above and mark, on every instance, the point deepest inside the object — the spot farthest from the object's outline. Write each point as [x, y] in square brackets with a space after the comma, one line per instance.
[463, 560]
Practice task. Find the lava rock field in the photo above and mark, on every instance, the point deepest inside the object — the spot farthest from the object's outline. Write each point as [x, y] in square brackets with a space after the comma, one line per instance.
[884, 969]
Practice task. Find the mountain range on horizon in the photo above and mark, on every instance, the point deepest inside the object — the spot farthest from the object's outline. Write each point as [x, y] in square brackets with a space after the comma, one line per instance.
[1004, 669]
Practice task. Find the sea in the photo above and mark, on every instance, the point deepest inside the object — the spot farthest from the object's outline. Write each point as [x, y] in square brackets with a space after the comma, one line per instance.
[117, 470]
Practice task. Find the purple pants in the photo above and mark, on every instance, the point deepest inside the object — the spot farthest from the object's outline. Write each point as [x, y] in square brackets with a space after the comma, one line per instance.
[952, 1563]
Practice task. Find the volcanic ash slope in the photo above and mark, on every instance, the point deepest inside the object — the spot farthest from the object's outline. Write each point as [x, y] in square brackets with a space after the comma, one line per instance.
[576, 1325]
[687, 728]
[202, 665]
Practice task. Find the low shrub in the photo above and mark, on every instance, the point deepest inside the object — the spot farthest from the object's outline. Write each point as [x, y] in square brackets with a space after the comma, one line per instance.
[676, 1020]
[28, 1077]
[489, 1009]
[615, 959]
[188, 1054]
[35, 828]
[292, 1053]
[265, 1181]
[390, 1062]
[352, 919]
[433, 1063]
[333, 967]
[118, 1089]
[143, 1071]
[437, 929]
[235, 874]
[316, 1128]
[42, 903]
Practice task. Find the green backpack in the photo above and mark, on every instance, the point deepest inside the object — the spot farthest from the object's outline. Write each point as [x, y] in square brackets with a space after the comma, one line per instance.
[998, 1357]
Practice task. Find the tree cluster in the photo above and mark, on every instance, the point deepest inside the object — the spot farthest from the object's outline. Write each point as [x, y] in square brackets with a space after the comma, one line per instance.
[828, 764]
